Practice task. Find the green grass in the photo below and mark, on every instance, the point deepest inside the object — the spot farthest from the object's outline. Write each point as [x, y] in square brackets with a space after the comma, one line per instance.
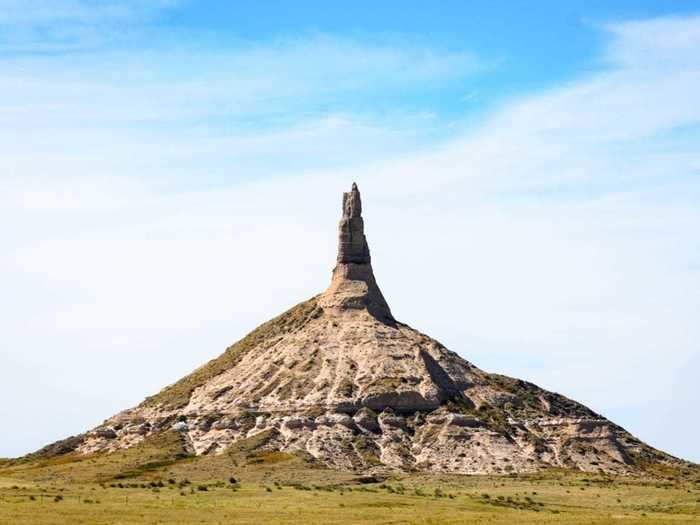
[250, 484]
[178, 394]
[562, 499]
[149, 456]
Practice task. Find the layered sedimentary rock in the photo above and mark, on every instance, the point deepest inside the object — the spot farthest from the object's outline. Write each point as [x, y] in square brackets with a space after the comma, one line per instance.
[353, 285]
[337, 378]
[352, 243]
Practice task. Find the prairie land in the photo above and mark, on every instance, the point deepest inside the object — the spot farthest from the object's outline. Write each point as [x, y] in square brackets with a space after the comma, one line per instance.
[147, 485]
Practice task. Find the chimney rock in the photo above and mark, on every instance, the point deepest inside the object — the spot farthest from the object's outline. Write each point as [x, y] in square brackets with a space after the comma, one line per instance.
[353, 286]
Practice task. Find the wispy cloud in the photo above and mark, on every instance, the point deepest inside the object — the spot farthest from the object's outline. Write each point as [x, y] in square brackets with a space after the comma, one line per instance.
[32, 26]
[167, 84]
[31, 12]
[255, 108]
[662, 43]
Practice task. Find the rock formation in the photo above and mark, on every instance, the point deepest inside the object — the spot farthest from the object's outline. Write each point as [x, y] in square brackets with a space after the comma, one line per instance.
[352, 243]
[353, 285]
[337, 378]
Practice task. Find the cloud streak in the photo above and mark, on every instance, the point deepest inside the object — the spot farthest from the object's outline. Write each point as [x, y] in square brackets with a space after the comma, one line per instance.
[56, 26]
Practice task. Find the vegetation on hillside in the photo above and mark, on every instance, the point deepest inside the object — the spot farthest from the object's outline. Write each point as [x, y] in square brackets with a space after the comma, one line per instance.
[178, 394]
[250, 485]
[151, 455]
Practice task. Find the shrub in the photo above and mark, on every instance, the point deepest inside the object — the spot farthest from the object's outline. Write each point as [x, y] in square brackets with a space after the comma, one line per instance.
[202, 488]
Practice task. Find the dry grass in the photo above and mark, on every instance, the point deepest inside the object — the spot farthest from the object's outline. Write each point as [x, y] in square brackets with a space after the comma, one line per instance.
[555, 500]
[250, 484]
[154, 453]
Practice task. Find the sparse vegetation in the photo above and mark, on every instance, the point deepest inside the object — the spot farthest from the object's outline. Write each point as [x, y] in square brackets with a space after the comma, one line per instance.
[143, 461]
[258, 493]
[178, 394]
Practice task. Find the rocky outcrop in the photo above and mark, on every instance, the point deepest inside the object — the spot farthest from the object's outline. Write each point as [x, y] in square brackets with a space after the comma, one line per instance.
[352, 243]
[353, 285]
[339, 379]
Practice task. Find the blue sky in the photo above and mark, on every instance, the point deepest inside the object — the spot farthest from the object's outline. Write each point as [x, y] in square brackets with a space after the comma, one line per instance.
[172, 173]
[534, 43]
[514, 46]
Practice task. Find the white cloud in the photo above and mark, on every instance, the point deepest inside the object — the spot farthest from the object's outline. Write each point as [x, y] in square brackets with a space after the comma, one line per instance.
[660, 44]
[40, 26]
[30, 12]
[172, 111]
[556, 241]
[167, 85]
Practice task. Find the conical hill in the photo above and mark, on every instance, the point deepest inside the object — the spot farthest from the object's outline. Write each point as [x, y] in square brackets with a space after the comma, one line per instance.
[339, 380]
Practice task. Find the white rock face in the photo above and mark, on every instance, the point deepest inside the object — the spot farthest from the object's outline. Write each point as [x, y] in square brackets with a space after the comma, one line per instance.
[180, 426]
[338, 378]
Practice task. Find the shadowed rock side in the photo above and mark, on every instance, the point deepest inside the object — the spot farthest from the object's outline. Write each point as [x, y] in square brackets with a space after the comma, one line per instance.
[337, 378]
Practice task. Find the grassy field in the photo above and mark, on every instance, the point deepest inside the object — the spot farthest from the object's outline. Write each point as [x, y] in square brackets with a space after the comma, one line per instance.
[155, 483]
[556, 499]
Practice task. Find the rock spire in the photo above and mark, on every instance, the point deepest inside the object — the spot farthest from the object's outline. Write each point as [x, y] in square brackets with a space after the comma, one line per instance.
[352, 243]
[353, 286]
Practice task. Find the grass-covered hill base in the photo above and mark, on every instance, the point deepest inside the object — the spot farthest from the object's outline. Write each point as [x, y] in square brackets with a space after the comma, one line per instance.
[157, 482]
